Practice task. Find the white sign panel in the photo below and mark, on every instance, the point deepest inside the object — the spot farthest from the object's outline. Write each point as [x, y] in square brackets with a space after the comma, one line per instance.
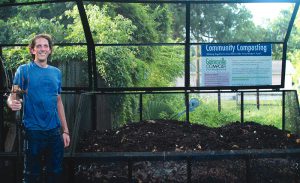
[236, 64]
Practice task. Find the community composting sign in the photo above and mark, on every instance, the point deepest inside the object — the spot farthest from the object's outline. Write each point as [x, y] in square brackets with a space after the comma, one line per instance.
[236, 64]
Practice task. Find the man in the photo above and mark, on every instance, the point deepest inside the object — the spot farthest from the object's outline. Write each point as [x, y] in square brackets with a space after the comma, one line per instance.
[44, 121]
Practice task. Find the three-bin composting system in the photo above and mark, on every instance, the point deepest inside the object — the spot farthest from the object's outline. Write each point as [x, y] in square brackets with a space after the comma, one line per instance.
[242, 144]
[163, 90]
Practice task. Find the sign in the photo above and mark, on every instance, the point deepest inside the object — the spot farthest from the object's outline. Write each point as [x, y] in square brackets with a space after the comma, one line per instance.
[236, 64]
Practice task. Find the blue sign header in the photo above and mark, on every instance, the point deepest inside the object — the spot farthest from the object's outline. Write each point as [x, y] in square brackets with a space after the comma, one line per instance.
[260, 49]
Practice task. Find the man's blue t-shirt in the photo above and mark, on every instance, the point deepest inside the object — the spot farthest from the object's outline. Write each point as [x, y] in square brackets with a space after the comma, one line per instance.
[42, 86]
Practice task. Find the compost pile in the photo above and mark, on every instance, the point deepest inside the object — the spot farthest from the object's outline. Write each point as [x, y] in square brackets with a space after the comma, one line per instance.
[175, 136]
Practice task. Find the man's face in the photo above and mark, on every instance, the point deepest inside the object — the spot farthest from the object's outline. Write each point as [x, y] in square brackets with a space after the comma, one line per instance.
[41, 50]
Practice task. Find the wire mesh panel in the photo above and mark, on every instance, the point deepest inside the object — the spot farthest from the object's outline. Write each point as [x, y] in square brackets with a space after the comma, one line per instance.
[215, 109]
[274, 170]
[121, 142]
[164, 106]
[292, 112]
[219, 171]
[260, 106]
[160, 171]
[8, 170]
[104, 112]
[101, 171]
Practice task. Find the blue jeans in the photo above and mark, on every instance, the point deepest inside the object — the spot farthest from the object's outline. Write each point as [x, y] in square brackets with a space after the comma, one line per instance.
[43, 149]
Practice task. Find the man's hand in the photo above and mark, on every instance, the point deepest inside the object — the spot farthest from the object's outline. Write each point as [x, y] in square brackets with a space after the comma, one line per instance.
[14, 101]
[66, 138]
[15, 105]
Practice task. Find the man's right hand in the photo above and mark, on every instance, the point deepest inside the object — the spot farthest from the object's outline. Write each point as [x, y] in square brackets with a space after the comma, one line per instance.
[15, 105]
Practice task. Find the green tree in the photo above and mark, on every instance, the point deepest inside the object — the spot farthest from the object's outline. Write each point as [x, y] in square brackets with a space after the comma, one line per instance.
[212, 23]
[129, 66]
[294, 49]
[278, 32]
[105, 29]
[215, 23]
[20, 23]
[112, 27]
[153, 24]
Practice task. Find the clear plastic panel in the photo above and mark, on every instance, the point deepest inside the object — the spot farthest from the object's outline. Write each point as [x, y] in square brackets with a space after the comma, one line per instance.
[71, 60]
[20, 23]
[144, 66]
[115, 23]
[73, 63]
[224, 22]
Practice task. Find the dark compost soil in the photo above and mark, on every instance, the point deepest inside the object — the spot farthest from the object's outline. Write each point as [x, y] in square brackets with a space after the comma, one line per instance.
[175, 136]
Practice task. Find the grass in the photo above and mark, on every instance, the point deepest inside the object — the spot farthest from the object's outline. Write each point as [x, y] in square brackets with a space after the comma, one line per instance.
[268, 113]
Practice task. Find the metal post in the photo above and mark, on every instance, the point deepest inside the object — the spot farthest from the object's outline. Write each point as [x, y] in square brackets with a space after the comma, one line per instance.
[187, 45]
[219, 101]
[130, 171]
[187, 58]
[242, 107]
[189, 170]
[1, 105]
[70, 163]
[283, 110]
[91, 59]
[247, 170]
[141, 107]
[257, 99]
[187, 107]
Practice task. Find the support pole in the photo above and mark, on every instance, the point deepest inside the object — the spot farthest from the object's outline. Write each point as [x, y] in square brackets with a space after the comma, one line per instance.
[242, 107]
[1, 104]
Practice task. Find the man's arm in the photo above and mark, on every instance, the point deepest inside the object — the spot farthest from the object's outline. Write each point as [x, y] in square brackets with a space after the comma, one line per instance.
[64, 125]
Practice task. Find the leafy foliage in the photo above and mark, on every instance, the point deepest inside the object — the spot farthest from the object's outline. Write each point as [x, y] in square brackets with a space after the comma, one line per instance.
[278, 27]
[162, 106]
[16, 57]
[172, 61]
[104, 28]
[294, 49]
[157, 110]
[116, 66]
